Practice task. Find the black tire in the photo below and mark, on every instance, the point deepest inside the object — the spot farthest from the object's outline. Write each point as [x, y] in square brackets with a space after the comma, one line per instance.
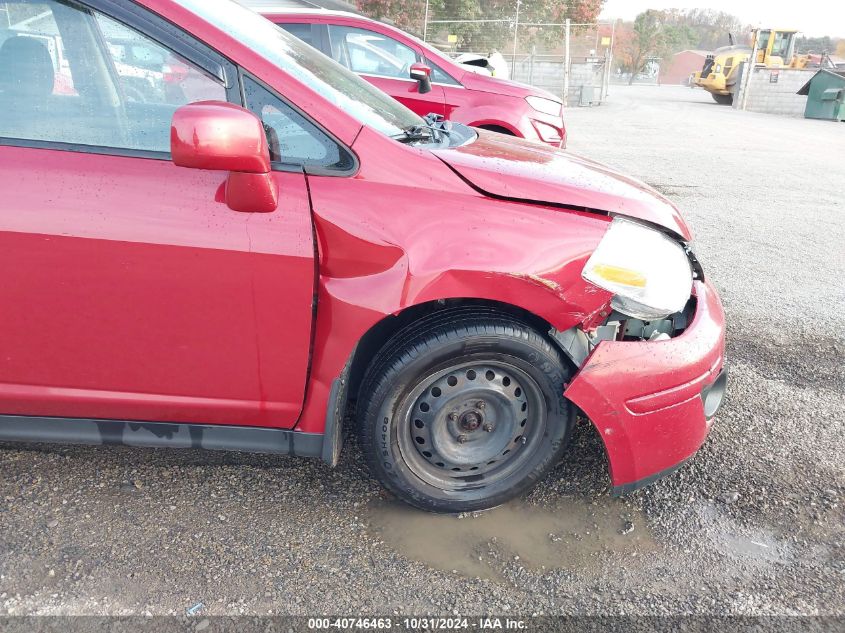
[722, 99]
[465, 411]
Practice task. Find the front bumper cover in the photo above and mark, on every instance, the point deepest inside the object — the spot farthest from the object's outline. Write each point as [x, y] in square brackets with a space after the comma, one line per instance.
[645, 397]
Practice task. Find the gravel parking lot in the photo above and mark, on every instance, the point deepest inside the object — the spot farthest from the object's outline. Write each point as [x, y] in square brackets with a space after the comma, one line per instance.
[754, 524]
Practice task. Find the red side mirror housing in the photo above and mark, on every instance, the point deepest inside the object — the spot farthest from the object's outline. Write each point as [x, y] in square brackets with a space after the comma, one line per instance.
[223, 136]
[422, 75]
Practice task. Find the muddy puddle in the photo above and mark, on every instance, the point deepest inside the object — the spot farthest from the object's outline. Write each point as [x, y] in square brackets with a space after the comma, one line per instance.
[481, 545]
[755, 545]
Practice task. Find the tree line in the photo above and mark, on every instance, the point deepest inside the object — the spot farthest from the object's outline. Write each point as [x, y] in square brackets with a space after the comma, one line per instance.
[661, 34]
[652, 35]
[480, 36]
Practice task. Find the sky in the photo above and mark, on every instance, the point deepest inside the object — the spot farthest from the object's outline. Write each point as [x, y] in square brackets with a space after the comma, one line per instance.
[815, 18]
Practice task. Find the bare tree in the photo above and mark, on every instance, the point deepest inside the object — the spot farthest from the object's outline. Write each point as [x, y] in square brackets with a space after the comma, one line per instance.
[652, 35]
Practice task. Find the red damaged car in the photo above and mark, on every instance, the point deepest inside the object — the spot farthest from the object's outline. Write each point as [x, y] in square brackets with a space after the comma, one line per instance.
[424, 79]
[233, 256]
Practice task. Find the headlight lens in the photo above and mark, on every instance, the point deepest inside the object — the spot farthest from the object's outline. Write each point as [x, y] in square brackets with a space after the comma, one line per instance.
[648, 272]
[546, 132]
[546, 106]
[717, 68]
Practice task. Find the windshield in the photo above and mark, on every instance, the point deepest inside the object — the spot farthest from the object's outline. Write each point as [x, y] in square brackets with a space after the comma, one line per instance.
[343, 88]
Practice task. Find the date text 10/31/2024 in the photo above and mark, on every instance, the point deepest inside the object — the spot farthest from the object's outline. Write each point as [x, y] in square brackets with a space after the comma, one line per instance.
[417, 624]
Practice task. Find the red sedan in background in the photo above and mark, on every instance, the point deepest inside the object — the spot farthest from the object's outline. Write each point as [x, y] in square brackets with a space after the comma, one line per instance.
[424, 79]
[231, 258]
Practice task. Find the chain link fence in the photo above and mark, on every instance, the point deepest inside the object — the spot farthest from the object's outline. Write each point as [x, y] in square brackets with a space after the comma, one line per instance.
[571, 60]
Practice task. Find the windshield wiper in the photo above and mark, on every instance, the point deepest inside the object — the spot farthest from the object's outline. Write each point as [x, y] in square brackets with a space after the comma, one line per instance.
[438, 123]
[434, 128]
[416, 133]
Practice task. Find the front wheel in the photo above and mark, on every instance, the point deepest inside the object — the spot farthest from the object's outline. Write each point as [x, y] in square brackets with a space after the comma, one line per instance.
[467, 414]
[722, 99]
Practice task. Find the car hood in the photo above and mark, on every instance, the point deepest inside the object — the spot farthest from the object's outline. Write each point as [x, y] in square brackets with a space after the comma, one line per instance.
[506, 167]
[499, 86]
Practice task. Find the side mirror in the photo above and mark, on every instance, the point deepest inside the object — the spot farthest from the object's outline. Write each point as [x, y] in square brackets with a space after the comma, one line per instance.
[422, 75]
[226, 137]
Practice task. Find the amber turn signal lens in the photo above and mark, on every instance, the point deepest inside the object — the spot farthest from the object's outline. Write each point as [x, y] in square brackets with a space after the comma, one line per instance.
[619, 275]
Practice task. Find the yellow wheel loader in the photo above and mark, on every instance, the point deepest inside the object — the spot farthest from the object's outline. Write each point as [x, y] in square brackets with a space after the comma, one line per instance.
[775, 49]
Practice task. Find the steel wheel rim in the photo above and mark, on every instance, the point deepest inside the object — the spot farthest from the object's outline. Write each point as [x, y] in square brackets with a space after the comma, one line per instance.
[471, 425]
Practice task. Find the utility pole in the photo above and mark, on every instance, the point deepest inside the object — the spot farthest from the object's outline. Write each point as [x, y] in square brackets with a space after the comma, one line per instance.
[531, 65]
[515, 39]
[425, 24]
[749, 70]
[566, 64]
[610, 58]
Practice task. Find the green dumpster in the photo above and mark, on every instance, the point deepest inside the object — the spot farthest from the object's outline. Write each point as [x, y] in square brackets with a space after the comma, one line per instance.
[825, 96]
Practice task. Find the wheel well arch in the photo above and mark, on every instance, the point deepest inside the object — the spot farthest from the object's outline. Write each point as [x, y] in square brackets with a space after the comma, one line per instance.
[383, 331]
[494, 127]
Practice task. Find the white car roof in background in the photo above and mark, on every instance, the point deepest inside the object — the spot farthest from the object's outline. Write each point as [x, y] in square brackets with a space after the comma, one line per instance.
[337, 8]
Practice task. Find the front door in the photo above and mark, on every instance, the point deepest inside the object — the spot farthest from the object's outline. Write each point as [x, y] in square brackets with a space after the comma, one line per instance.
[385, 63]
[129, 289]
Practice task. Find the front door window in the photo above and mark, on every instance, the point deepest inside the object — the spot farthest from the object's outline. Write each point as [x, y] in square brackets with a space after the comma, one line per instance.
[75, 76]
[371, 53]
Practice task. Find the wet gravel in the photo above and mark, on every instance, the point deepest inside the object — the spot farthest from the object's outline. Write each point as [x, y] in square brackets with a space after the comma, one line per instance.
[754, 524]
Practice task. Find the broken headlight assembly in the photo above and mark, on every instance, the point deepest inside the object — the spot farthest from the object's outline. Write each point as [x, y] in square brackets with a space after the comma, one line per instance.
[648, 272]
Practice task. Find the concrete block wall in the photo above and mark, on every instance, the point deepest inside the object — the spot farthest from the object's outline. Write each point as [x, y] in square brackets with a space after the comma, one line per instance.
[545, 74]
[548, 74]
[779, 97]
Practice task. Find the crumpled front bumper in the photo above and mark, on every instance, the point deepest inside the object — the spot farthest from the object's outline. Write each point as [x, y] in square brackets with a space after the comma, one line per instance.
[646, 397]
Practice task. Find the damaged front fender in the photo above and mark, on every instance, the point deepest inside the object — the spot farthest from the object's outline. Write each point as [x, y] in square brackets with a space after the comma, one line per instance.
[434, 238]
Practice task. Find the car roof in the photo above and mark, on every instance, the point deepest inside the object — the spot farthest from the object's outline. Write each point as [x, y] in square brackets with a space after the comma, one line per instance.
[316, 11]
